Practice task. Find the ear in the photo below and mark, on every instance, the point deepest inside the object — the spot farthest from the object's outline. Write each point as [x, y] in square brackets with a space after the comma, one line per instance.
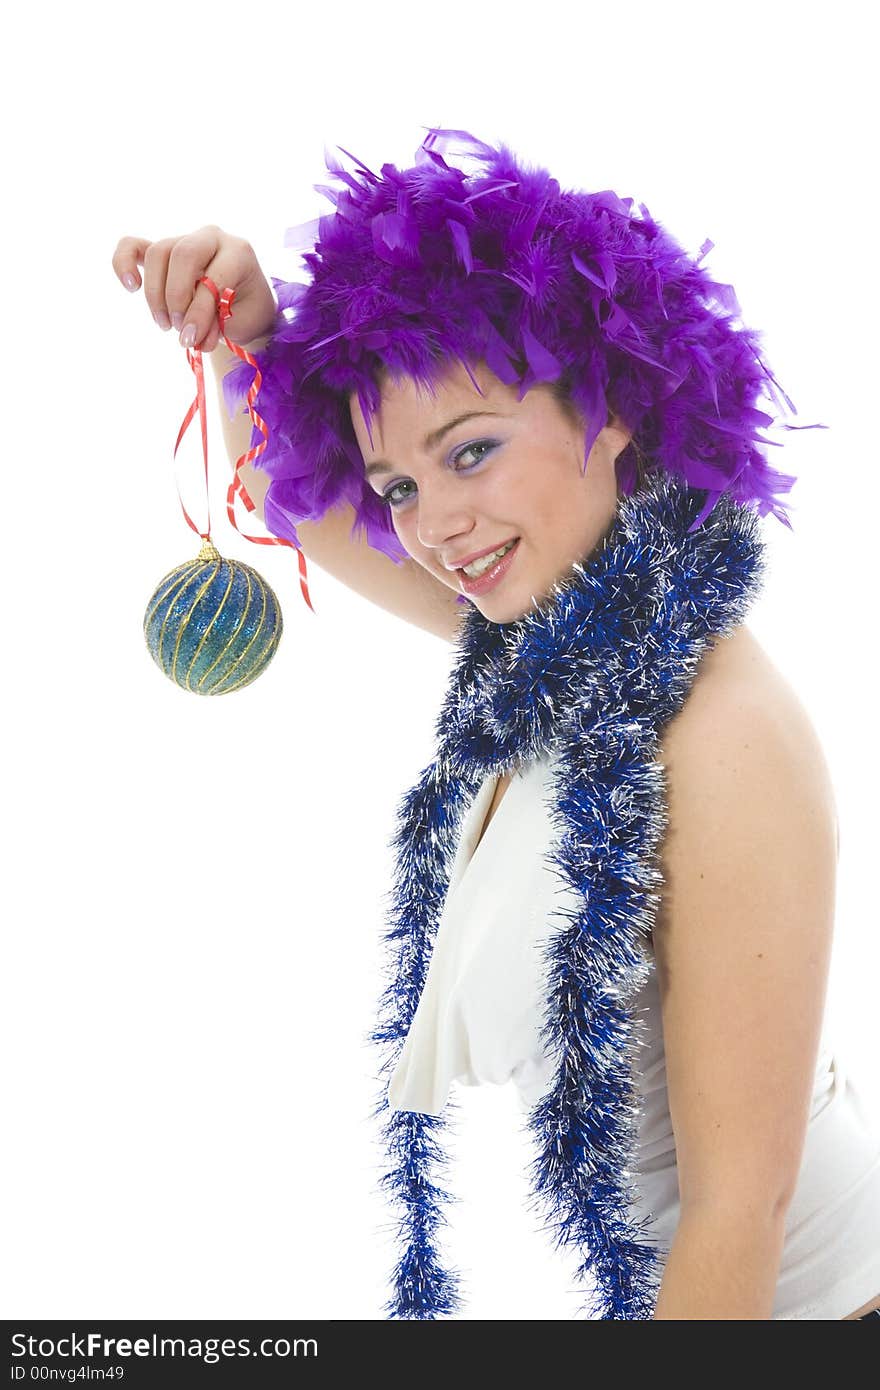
[621, 436]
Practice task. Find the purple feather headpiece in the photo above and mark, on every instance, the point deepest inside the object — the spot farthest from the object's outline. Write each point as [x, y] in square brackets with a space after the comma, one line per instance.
[422, 266]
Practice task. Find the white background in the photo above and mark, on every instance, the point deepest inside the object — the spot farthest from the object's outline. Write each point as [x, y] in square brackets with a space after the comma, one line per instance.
[194, 888]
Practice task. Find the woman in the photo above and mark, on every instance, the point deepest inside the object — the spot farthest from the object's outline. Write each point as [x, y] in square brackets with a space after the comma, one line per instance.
[489, 367]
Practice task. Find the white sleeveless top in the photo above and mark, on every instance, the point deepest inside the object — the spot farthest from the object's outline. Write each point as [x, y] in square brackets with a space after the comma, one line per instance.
[478, 1020]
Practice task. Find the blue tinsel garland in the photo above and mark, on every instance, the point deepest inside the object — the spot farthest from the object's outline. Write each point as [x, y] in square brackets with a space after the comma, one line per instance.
[593, 674]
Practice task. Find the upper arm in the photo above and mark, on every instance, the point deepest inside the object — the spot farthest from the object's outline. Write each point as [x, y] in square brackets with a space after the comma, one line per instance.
[743, 946]
[406, 589]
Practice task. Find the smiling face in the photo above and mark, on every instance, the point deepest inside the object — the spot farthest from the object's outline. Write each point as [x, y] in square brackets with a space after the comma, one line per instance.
[514, 471]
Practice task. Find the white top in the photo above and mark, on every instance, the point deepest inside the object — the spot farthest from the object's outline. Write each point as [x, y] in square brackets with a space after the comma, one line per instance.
[478, 1020]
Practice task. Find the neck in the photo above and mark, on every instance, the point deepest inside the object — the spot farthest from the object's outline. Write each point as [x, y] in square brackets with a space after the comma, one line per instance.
[655, 581]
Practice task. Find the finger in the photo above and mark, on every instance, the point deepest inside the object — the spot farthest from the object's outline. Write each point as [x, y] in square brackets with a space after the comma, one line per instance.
[190, 303]
[156, 258]
[129, 254]
[155, 271]
[212, 338]
[222, 258]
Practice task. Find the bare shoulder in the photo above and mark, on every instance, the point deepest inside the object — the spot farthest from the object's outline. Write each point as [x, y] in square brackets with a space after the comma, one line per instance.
[737, 681]
[744, 934]
[739, 696]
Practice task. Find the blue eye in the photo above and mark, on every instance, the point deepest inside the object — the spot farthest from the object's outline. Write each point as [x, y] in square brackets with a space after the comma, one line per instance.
[488, 444]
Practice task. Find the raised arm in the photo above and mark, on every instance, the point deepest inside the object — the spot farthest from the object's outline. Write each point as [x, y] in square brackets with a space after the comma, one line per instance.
[406, 590]
[173, 269]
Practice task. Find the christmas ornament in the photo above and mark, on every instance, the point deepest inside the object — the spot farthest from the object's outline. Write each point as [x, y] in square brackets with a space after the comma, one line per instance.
[212, 625]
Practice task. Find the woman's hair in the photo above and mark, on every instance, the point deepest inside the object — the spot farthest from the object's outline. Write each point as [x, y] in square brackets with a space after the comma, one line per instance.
[561, 393]
[422, 267]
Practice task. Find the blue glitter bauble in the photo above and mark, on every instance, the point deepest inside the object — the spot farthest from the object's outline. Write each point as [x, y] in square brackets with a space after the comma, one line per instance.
[212, 625]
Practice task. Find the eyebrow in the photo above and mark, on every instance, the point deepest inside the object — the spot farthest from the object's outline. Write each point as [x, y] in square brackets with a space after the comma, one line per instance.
[430, 440]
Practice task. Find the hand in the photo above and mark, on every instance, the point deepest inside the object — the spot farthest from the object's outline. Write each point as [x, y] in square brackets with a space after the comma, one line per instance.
[173, 267]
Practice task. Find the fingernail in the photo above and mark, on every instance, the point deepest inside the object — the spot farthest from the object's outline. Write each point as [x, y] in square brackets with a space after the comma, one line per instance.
[129, 281]
[188, 336]
[176, 321]
[162, 320]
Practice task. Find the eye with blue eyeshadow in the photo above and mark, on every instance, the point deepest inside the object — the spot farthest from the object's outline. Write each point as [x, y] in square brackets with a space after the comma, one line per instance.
[489, 444]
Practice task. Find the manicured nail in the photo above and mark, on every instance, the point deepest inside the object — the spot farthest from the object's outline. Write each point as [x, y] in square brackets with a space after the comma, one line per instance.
[176, 321]
[129, 281]
[188, 336]
[162, 320]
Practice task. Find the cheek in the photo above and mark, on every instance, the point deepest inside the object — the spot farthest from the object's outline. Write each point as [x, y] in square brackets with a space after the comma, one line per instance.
[403, 519]
[405, 523]
[529, 498]
[550, 504]
[506, 498]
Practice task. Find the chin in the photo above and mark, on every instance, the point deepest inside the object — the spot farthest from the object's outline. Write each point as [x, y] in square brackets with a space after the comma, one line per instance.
[504, 608]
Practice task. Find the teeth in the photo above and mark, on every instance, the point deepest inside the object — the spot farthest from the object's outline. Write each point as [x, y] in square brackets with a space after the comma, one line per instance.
[480, 566]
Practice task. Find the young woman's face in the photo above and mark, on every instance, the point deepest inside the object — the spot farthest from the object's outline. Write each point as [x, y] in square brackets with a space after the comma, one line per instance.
[514, 472]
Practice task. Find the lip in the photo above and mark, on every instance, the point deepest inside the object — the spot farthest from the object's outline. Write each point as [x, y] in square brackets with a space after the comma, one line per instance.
[478, 554]
[494, 574]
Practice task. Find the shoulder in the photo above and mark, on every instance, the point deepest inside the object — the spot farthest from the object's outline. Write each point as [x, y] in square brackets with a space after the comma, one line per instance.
[742, 942]
[743, 759]
[742, 713]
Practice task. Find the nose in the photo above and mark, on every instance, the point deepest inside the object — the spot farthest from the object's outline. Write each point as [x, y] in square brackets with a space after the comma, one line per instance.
[442, 514]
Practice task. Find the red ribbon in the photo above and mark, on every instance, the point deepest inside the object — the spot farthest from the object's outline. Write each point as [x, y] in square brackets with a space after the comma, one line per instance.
[224, 308]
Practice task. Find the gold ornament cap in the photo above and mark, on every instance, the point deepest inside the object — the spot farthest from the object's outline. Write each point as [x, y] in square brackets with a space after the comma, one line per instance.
[209, 551]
